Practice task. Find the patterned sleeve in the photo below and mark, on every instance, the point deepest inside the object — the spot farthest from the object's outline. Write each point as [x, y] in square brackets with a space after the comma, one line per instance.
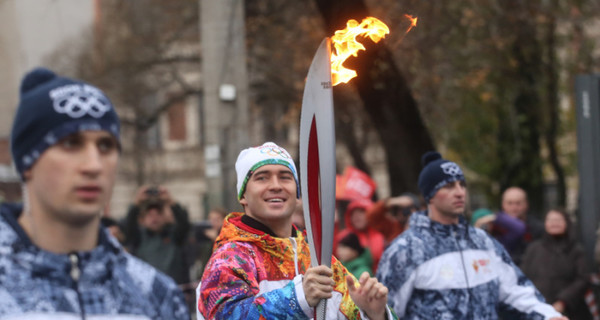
[174, 306]
[519, 299]
[230, 290]
[396, 271]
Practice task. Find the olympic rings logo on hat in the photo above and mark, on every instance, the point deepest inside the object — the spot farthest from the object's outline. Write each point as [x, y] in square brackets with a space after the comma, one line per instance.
[274, 152]
[451, 168]
[77, 100]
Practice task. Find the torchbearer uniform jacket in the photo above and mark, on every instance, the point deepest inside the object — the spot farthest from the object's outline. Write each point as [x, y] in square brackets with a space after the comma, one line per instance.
[104, 283]
[253, 274]
[435, 271]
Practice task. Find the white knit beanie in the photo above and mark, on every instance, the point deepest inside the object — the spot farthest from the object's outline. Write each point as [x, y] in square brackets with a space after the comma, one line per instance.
[253, 158]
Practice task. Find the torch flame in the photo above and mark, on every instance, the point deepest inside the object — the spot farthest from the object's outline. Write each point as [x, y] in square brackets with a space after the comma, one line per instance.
[345, 44]
[413, 22]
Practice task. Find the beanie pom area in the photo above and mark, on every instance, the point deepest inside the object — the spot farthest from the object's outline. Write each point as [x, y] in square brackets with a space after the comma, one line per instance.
[35, 78]
[429, 157]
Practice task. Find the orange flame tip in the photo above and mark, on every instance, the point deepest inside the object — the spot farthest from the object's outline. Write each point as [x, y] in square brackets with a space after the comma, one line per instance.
[413, 21]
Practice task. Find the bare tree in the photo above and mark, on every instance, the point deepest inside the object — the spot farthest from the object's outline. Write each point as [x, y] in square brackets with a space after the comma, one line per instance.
[146, 56]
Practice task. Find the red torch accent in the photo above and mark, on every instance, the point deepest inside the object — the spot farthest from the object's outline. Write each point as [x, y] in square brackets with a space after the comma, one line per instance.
[314, 188]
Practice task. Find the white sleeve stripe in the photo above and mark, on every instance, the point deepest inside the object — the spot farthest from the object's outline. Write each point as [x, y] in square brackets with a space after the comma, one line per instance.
[522, 298]
[308, 311]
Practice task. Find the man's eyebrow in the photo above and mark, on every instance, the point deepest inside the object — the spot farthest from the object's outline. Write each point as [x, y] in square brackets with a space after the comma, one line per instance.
[260, 172]
[263, 171]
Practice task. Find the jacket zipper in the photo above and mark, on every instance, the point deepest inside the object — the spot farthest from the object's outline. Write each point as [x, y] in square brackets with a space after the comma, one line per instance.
[294, 247]
[462, 260]
[75, 274]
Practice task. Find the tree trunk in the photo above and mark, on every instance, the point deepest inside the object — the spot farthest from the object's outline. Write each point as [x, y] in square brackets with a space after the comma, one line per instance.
[552, 104]
[139, 151]
[387, 99]
[520, 162]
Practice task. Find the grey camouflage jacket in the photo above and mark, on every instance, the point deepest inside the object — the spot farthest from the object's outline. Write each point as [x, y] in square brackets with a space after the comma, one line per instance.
[105, 283]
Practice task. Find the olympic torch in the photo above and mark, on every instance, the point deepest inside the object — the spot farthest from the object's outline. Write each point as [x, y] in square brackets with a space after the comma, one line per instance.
[317, 161]
[317, 136]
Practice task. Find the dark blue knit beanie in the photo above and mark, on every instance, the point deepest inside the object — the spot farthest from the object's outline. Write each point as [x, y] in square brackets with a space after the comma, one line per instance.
[436, 173]
[53, 107]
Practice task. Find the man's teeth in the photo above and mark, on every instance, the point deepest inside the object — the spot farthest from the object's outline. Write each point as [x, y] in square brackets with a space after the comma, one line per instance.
[275, 200]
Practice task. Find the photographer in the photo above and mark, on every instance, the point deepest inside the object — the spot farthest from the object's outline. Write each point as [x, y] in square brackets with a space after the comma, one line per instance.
[156, 230]
[390, 216]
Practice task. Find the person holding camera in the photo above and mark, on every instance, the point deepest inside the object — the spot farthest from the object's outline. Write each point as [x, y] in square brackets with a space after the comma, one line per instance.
[390, 216]
[156, 229]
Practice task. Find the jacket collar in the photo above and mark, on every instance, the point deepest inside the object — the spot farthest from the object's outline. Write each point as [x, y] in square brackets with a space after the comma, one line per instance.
[421, 221]
[255, 224]
[10, 212]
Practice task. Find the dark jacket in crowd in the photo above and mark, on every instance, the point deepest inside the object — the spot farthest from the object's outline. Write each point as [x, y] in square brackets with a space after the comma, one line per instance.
[163, 250]
[557, 267]
[515, 235]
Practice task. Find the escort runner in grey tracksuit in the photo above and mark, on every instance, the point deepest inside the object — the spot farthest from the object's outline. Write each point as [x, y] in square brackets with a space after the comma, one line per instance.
[436, 271]
[105, 283]
[441, 268]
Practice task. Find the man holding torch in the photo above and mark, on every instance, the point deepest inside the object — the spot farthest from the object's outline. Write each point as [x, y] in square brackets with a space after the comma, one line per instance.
[260, 268]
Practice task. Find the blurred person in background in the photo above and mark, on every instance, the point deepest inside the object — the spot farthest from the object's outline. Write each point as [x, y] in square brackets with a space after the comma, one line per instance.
[113, 228]
[204, 240]
[356, 258]
[515, 226]
[355, 219]
[390, 216]
[216, 216]
[298, 217]
[56, 259]
[156, 230]
[556, 265]
[483, 218]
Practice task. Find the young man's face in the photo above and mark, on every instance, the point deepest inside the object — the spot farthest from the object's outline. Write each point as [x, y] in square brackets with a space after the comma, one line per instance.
[270, 195]
[450, 200]
[73, 180]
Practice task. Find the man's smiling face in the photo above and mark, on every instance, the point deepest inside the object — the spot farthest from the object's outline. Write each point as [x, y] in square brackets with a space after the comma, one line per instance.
[270, 195]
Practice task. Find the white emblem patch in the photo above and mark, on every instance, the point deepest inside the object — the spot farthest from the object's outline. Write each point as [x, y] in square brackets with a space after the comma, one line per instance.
[451, 168]
[447, 272]
[77, 100]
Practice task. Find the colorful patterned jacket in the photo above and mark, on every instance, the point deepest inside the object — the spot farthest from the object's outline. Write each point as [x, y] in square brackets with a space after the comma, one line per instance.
[105, 283]
[438, 272]
[254, 275]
